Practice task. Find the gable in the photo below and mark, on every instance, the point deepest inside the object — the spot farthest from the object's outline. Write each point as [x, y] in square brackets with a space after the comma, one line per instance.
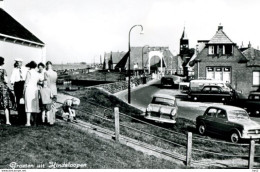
[220, 38]
[11, 28]
[237, 56]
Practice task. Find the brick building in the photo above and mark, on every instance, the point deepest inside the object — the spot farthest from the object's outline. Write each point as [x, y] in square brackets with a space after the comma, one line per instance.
[221, 59]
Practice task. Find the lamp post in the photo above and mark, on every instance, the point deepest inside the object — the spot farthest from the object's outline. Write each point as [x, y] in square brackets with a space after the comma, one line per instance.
[143, 56]
[129, 73]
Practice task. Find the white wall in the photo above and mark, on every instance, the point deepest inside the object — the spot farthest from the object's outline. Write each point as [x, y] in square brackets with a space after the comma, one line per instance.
[10, 51]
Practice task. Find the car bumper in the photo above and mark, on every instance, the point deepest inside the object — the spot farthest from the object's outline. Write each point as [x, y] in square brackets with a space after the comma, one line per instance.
[250, 136]
[172, 121]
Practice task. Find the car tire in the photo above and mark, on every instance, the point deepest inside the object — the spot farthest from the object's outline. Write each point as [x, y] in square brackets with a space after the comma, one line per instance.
[202, 129]
[234, 137]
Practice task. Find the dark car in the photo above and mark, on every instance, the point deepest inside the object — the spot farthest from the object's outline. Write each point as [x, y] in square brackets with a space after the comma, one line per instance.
[212, 93]
[252, 104]
[171, 80]
[230, 121]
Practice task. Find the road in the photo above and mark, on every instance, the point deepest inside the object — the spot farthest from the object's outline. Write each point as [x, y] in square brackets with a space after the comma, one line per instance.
[142, 96]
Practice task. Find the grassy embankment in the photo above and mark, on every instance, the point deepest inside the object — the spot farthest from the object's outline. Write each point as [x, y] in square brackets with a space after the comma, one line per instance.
[182, 126]
[63, 144]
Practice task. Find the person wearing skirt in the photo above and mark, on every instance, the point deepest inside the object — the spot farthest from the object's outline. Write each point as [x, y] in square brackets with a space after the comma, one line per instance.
[7, 100]
[31, 93]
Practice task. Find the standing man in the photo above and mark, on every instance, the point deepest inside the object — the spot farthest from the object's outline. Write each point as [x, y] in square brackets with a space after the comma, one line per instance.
[17, 80]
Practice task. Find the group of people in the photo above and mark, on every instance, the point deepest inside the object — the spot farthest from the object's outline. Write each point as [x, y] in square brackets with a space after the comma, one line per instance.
[35, 91]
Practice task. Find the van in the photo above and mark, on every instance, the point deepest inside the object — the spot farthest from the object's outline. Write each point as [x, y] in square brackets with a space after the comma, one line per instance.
[197, 85]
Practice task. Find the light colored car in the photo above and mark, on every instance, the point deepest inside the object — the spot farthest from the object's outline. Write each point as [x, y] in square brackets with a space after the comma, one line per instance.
[230, 121]
[163, 108]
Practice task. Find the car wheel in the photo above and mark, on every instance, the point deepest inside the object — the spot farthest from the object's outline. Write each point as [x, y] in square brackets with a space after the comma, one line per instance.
[234, 137]
[202, 129]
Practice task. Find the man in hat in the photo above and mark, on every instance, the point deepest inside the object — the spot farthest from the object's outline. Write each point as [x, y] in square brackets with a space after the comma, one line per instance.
[17, 80]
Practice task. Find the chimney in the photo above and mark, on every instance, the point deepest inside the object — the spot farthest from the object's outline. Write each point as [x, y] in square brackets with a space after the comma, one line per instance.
[2, 4]
[220, 27]
[249, 45]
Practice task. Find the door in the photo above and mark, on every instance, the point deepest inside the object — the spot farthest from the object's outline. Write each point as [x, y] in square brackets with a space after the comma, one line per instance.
[205, 92]
[210, 118]
[221, 124]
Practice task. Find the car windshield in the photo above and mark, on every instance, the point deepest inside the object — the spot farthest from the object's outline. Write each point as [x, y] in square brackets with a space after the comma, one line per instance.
[238, 114]
[163, 101]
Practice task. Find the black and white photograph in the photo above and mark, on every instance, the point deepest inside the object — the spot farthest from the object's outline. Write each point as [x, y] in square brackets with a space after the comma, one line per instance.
[129, 84]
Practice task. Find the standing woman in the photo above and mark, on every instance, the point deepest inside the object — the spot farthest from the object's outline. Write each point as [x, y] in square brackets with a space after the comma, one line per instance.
[6, 102]
[51, 77]
[31, 92]
[41, 70]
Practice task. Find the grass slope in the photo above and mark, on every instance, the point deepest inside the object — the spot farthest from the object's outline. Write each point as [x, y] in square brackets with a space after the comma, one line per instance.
[182, 126]
[64, 144]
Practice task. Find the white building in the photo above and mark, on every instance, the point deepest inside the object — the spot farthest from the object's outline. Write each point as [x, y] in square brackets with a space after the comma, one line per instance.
[18, 42]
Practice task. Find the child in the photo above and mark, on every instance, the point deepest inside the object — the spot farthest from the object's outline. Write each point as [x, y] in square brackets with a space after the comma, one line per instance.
[46, 101]
[69, 107]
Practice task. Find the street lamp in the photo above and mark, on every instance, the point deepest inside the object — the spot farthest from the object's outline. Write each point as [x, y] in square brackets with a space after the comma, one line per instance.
[143, 56]
[129, 50]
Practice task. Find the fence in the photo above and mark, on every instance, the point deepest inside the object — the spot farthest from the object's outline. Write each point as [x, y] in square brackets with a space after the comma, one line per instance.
[187, 144]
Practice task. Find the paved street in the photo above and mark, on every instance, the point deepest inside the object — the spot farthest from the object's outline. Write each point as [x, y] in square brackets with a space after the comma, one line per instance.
[142, 96]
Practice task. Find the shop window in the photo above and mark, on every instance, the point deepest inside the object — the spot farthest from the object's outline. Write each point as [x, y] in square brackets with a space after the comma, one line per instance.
[219, 73]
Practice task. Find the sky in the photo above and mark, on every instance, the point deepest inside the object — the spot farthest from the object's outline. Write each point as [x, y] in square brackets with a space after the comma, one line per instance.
[83, 30]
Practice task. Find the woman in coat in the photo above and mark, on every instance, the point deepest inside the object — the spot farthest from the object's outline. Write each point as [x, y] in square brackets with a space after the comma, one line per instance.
[31, 92]
[51, 77]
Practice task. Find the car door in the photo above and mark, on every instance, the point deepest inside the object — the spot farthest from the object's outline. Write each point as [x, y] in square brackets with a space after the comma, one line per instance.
[215, 93]
[221, 124]
[205, 92]
[209, 118]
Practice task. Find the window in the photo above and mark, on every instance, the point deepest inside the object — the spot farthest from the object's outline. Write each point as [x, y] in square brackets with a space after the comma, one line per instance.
[215, 89]
[206, 89]
[211, 49]
[210, 73]
[219, 73]
[220, 49]
[256, 78]
[211, 112]
[163, 101]
[221, 114]
[228, 49]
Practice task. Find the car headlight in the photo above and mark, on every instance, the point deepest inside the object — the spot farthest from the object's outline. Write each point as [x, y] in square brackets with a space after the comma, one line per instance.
[174, 111]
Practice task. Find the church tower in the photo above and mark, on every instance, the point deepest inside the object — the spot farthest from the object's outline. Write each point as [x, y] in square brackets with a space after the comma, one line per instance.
[184, 44]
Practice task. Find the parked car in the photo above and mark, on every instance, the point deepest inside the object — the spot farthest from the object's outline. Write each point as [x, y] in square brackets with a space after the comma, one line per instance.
[251, 103]
[198, 84]
[171, 80]
[163, 108]
[212, 93]
[230, 121]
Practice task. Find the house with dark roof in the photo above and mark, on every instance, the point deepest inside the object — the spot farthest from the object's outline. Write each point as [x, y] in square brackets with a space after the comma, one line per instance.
[18, 42]
[139, 59]
[221, 59]
[112, 59]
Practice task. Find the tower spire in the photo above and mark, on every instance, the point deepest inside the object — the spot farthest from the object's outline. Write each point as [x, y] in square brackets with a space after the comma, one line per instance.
[184, 35]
